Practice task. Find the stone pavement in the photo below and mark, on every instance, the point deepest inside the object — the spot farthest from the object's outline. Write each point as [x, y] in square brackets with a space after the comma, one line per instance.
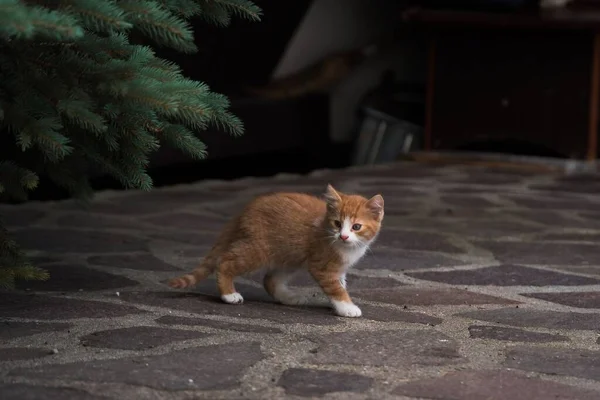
[483, 285]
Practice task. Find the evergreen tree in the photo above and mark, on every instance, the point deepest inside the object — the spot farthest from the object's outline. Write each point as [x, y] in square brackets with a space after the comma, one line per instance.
[78, 95]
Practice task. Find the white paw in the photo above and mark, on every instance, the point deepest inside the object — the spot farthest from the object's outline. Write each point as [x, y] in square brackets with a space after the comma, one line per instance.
[345, 309]
[232, 298]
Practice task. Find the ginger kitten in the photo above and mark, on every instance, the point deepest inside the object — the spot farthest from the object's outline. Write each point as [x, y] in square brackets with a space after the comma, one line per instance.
[285, 232]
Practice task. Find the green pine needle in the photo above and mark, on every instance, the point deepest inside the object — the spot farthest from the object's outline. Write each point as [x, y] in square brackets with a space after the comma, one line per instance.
[79, 96]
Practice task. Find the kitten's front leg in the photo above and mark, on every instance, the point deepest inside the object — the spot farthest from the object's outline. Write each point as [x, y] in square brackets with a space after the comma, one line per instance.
[331, 284]
[343, 280]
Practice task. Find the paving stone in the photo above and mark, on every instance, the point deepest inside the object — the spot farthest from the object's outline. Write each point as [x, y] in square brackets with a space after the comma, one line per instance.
[491, 385]
[19, 216]
[573, 237]
[468, 189]
[156, 201]
[390, 191]
[141, 262]
[22, 353]
[75, 241]
[466, 201]
[193, 238]
[579, 269]
[211, 323]
[531, 318]
[488, 228]
[579, 363]
[13, 305]
[406, 260]
[553, 218]
[571, 299]
[388, 314]
[487, 178]
[212, 305]
[72, 278]
[188, 221]
[394, 171]
[311, 382]
[543, 203]
[138, 337]
[591, 186]
[391, 348]
[410, 240]
[22, 391]
[90, 220]
[505, 275]
[199, 368]
[429, 297]
[543, 253]
[15, 329]
[513, 334]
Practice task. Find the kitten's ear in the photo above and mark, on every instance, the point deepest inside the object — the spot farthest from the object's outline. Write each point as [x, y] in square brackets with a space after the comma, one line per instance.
[375, 206]
[332, 196]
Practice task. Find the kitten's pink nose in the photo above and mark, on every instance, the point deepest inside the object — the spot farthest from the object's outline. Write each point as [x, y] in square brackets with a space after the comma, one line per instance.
[344, 237]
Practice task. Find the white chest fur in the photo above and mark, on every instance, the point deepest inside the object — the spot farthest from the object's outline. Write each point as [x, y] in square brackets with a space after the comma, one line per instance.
[351, 255]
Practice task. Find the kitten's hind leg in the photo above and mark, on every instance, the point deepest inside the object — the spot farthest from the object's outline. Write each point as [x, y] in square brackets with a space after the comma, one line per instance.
[225, 275]
[275, 284]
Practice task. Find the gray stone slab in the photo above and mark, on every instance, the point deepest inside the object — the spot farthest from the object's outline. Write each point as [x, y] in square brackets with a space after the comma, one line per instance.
[491, 385]
[466, 201]
[533, 318]
[389, 314]
[19, 216]
[140, 262]
[572, 237]
[411, 240]
[543, 253]
[572, 299]
[211, 323]
[505, 275]
[76, 241]
[13, 305]
[22, 391]
[72, 278]
[391, 348]
[23, 353]
[406, 260]
[428, 297]
[199, 368]
[313, 382]
[212, 305]
[579, 363]
[91, 220]
[16, 329]
[188, 221]
[138, 337]
[156, 201]
[552, 203]
[513, 334]
[187, 238]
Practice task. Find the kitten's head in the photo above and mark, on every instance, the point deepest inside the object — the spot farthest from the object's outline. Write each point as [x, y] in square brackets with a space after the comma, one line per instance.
[353, 220]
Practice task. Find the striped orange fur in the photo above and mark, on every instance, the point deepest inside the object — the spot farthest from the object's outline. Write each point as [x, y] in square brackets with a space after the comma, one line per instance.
[285, 232]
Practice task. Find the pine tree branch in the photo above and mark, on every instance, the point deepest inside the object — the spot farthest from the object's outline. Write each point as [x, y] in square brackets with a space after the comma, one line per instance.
[19, 21]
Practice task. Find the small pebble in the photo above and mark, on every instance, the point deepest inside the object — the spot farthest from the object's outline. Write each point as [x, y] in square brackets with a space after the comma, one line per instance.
[190, 380]
[118, 294]
[54, 351]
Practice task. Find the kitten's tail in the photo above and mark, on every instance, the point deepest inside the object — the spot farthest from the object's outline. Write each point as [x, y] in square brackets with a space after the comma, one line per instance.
[203, 271]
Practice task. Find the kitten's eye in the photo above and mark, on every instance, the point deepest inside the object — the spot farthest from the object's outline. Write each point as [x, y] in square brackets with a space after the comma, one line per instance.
[356, 227]
[337, 224]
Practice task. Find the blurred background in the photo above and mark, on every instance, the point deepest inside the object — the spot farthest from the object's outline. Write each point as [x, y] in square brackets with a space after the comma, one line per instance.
[334, 83]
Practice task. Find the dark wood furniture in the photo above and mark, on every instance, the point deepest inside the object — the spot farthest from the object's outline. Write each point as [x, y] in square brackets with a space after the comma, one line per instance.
[505, 77]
